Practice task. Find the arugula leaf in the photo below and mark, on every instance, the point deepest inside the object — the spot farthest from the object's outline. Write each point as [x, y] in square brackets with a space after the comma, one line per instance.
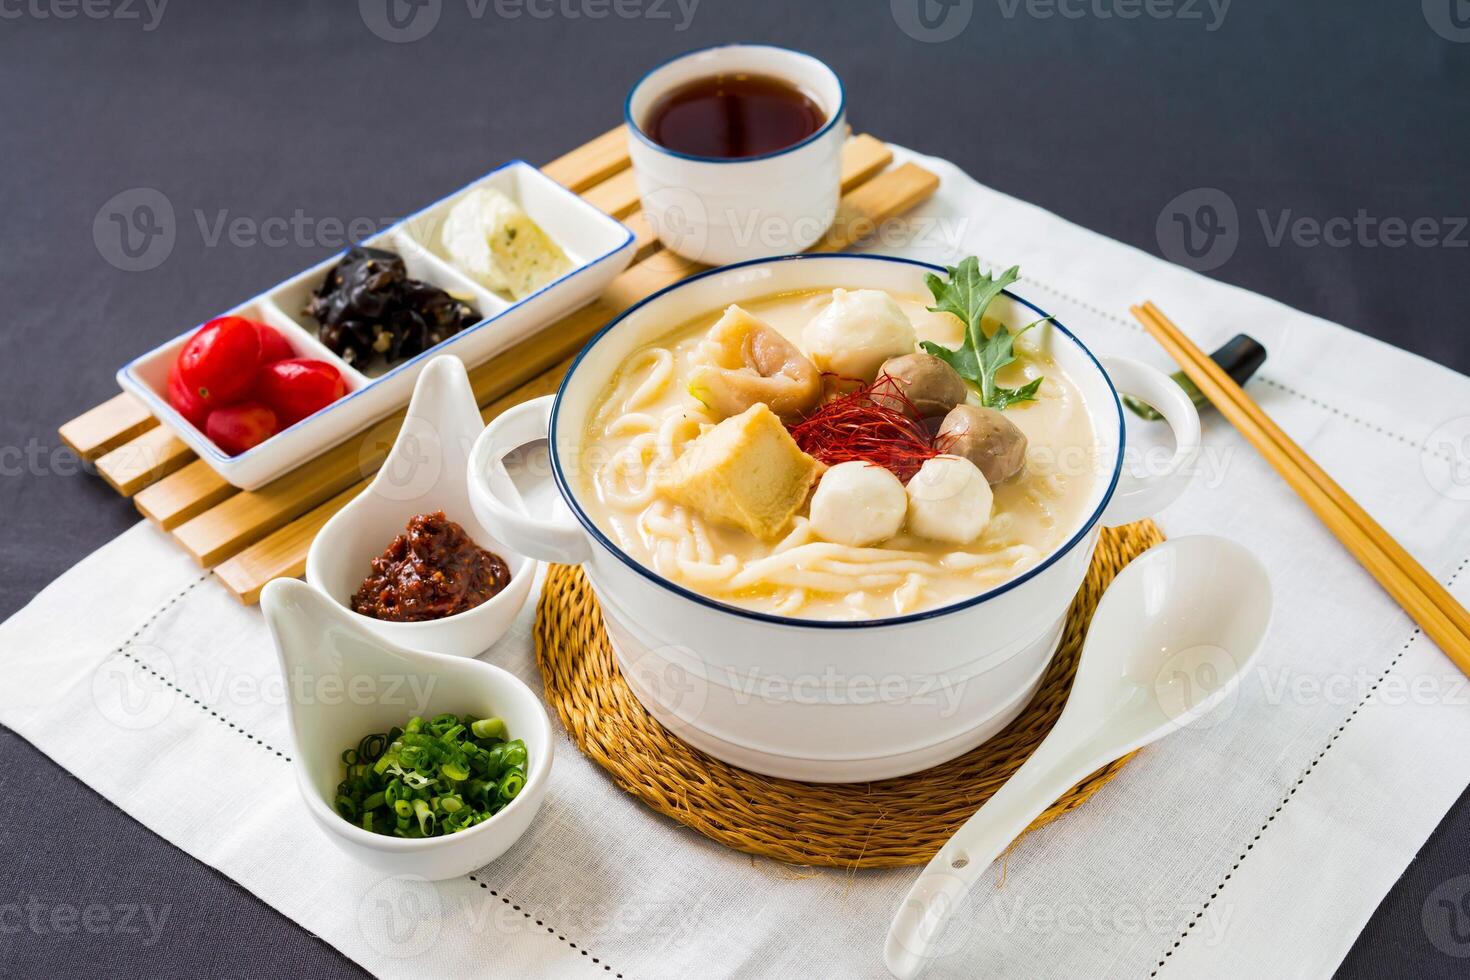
[1006, 397]
[966, 294]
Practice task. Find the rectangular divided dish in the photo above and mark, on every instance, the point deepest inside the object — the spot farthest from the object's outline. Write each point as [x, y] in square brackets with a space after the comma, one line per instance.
[598, 246]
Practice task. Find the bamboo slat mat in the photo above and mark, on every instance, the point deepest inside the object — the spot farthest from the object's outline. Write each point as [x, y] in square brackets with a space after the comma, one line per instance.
[251, 537]
[887, 823]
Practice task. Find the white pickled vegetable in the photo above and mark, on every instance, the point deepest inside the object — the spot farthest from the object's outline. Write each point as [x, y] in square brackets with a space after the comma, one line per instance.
[492, 240]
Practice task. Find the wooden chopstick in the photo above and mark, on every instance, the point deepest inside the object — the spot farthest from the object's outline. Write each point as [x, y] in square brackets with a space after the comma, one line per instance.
[1426, 601]
[1339, 497]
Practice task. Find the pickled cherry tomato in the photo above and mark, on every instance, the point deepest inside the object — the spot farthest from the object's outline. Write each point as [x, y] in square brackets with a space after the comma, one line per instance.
[236, 428]
[273, 344]
[184, 401]
[298, 387]
[218, 364]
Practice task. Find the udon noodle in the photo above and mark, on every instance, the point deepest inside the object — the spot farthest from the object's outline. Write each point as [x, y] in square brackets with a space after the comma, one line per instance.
[647, 417]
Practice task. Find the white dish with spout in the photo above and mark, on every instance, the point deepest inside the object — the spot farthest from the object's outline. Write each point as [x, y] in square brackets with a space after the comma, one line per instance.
[424, 472]
[344, 682]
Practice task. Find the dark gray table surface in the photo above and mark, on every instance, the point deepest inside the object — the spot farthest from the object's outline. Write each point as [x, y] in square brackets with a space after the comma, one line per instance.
[299, 112]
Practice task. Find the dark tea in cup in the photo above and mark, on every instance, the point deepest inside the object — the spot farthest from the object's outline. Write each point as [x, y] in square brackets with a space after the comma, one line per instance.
[732, 116]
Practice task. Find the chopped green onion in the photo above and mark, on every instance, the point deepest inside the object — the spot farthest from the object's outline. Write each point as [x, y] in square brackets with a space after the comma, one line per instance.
[431, 778]
[372, 746]
[495, 759]
[488, 728]
[425, 817]
[515, 754]
[510, 784]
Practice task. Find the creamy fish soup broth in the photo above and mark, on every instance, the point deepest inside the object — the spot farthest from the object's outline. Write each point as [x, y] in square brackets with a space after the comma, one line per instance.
[802, 455]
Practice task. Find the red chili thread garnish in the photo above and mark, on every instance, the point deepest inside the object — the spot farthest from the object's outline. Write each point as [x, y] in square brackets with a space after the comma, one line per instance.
[883, 430]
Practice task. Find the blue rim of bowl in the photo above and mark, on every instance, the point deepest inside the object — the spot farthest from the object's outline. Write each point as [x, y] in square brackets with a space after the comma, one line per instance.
[564, 487]
[160, 406]
[637, 130]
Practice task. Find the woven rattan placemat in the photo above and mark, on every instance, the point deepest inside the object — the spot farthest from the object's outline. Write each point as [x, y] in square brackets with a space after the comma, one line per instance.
[891, 822]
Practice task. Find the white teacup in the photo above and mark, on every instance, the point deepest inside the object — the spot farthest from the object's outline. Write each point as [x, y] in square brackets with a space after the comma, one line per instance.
[719, 210]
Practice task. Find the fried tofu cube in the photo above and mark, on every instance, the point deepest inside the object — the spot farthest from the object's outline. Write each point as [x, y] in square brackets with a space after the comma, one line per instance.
[747, 471]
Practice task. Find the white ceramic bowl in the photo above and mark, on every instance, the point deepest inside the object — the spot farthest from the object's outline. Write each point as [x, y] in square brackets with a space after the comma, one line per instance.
[424, 472]
[716, 210]
[824, 701]
[599, 247]
[344, 682]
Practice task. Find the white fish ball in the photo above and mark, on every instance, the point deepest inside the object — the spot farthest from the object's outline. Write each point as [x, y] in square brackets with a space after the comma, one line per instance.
[949, 500]
[858, 504]
[857, 332]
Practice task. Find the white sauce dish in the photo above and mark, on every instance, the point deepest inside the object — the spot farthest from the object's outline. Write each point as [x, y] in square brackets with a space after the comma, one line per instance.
[425, 472]
[344, 682]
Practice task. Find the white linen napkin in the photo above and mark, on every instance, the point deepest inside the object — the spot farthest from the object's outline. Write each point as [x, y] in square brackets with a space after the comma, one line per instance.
[1288, 813]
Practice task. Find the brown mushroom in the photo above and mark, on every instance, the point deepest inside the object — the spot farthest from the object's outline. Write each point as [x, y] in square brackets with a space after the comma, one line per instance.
[749, 362]
[986, 438]
[931, 385]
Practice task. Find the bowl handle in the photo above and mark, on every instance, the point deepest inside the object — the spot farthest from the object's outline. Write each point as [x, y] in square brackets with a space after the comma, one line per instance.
[1137, 497]
[497, 502]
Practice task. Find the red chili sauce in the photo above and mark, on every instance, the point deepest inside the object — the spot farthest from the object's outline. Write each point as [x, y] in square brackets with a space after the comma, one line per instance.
[431, 571]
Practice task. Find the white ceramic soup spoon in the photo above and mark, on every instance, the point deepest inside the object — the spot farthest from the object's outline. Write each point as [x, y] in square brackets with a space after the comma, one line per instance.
[1170, 640]
[425, 472]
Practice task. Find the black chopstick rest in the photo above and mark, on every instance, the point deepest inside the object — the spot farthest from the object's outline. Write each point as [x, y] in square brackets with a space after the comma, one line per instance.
[1241, 357]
